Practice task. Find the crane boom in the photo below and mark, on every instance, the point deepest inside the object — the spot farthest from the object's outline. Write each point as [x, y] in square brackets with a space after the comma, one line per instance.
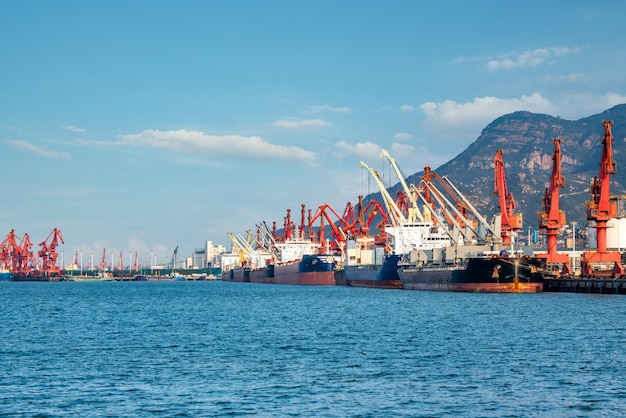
[477, 214]
[413, 211]
[395, 214]
[511, 222]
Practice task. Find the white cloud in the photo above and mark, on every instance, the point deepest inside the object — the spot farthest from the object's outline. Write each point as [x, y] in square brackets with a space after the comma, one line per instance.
[217, 146]
[402, 150]
[574, 78]
[473, 116]
[27, 146]
[362, 150]
[402, 136]
[327, 108]
[74, 129]
[464, 121]
[301, 124]
[533, 58]
[100, 143]
[407, 108]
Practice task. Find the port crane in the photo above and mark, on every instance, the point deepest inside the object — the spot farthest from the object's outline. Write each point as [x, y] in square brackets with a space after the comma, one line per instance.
[552, 217]
[338, 233]
[600, 209]
[395, 214]
[510, 222]
[414, 214]
[483, 226]
[48, 252]
[15, 252]
[407, 236]
[103, 261]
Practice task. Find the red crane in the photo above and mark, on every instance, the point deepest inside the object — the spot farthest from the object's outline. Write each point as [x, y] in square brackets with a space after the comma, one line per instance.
[103, 262]
[552, 218]
[600, 209]
[136, 263]
[48, 252]
[338, 233]
[510, 222]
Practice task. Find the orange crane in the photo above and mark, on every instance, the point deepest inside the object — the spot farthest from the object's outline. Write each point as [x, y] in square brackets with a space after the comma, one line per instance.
[510, 222]
[15, 252]
[600, 209]
[103, 262]
[338, 233]
[48, 252]
[552, 218]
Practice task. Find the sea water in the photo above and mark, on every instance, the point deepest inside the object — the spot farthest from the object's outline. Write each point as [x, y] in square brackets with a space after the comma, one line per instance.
[133, 349]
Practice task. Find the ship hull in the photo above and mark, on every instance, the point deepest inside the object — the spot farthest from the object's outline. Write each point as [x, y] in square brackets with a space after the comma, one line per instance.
[237, 275]
[491, 275]
[312, 270]
[21, 278]
[385, 276]
[263, 275]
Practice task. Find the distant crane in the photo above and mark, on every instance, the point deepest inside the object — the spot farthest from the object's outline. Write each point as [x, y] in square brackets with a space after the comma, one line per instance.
[103, 262]
[48, 252]
[136, 263]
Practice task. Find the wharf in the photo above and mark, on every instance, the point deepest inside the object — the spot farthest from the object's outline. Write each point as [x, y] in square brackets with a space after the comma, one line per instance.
[585, 285]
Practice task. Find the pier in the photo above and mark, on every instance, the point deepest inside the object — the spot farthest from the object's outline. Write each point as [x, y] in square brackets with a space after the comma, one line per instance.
[585, 285]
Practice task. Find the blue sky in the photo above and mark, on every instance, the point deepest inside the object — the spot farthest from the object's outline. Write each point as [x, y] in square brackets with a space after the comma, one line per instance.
[143, 125]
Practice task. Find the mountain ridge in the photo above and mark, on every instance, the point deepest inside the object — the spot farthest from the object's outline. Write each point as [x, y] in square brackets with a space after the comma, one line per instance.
[526, 139]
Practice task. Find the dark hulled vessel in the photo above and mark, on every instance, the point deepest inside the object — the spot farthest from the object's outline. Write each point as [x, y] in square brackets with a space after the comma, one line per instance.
[495, 274]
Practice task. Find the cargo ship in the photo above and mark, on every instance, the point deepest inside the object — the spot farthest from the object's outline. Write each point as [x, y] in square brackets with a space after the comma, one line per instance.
[312, 269]
[371, 275]
[38, 277]
[300, 263]
[5, 275]
[237, 274]
[367, 265]
[488, 273]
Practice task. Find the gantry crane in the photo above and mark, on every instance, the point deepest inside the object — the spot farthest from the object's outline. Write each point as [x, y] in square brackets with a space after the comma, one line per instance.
[510, 222]
[600, 209]
[48, 252]
[552, 217]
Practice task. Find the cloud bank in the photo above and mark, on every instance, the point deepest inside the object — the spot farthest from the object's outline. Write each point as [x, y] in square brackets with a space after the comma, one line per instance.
[194, 142]
[27, 146]
[301, 124]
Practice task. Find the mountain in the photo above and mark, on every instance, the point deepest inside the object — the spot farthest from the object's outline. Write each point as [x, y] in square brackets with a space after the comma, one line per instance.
[526, 139]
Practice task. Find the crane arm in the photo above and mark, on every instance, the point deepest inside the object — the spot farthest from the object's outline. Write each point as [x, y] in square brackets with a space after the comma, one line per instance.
[414, 212]
[395, 214]
[472, 208]
[445, 203]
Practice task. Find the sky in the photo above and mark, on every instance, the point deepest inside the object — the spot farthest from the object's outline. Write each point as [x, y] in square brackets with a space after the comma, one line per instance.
[140, 126]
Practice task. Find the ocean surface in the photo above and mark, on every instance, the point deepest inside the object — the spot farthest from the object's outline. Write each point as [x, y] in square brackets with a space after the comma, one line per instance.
[135, 349]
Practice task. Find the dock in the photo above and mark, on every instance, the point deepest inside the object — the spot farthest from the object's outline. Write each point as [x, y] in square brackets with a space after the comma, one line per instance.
[585, 285]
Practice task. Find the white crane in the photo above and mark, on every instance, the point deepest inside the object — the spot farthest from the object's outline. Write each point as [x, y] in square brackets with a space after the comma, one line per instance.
[395, 214]
[413, 211]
